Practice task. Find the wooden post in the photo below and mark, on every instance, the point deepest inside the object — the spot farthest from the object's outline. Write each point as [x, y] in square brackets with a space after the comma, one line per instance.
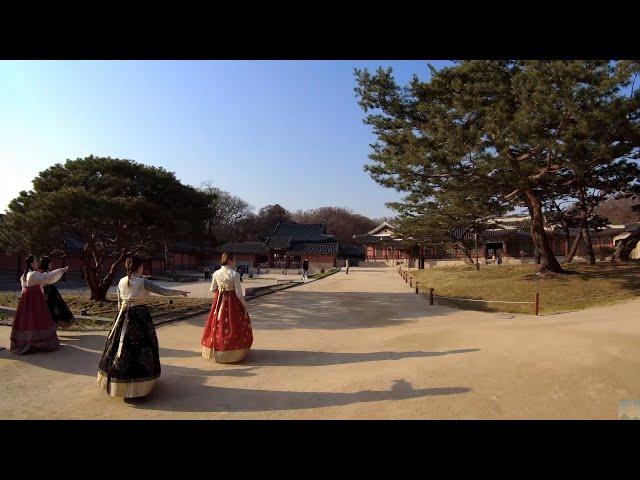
[536, 302]
[417, 286]
[411, 282]
[431, 296]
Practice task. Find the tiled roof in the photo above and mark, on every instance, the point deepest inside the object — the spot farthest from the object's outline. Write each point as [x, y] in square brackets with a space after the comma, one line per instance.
[299, 232]
[367, 238]
[314, 248]
[384, 225]
[278, 243]
[255, 248]
[191, 247]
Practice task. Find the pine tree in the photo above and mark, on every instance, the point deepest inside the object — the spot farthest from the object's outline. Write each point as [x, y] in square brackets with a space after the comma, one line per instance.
[114, 207]
[598, 145]
[507, 123]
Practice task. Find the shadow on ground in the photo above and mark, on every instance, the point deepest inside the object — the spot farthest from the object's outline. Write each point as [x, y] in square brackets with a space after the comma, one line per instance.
[298, 358]
[335, 310]
[80, 355]
[222, 399]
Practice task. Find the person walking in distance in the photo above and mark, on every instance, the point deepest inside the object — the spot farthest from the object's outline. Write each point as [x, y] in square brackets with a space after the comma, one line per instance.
[305, 269]
[346, 263]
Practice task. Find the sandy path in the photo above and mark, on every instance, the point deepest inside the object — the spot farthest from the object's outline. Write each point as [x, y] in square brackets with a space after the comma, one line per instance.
[356, 346]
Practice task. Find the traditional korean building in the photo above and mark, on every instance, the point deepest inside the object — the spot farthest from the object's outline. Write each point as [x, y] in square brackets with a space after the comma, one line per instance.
[383, 245]
[180, 256]
[508, 237]
[287, 247]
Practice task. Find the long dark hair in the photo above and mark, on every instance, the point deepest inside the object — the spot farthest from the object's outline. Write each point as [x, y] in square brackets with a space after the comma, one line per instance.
[132, 265]
[44, 263]
[28, 268]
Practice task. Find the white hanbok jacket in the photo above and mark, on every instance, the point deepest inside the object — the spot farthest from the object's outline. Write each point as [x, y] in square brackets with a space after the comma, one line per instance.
[41, 278]
[226, 278]
[137, 290]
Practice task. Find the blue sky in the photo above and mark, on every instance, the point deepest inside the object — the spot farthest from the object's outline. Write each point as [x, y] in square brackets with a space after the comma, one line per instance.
[287, 132]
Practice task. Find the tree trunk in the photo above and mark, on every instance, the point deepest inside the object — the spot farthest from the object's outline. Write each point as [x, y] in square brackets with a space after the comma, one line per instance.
[586, 236]
[467, 254]
[99, 287]
[584, 227]
[536, 247]
[95, 286]
[567, 242]
[540, 236]
[100, 294]
[574, 247]
[625, 247]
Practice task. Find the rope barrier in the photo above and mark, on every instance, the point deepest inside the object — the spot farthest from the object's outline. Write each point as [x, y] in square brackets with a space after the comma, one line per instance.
[406, 274]
[486, 301]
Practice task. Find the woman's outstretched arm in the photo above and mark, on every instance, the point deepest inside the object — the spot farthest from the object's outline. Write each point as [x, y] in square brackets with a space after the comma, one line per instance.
[45, 278]
[149, 286]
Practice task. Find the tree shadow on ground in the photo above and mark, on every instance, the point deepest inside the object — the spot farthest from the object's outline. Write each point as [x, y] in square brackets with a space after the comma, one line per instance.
[298, 358]
[176, 395]
[335, 310]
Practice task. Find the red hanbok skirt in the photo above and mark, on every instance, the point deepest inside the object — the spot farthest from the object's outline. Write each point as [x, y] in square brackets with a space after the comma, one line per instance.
[227, 334]
[33, 327]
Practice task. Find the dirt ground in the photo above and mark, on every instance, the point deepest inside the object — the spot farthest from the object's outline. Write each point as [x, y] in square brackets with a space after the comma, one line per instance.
[357, 346]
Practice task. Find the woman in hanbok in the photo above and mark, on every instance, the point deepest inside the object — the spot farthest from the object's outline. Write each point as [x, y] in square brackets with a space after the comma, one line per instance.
[33, 327]
[227, 335]
[130, 362]
[57, 306]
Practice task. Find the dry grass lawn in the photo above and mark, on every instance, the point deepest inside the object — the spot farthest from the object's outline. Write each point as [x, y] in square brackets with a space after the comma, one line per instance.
[109, 308]
[581, 286]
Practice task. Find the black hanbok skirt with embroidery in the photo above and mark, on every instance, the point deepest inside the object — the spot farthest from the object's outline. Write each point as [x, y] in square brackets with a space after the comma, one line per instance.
[130, 362]
[57, 306]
